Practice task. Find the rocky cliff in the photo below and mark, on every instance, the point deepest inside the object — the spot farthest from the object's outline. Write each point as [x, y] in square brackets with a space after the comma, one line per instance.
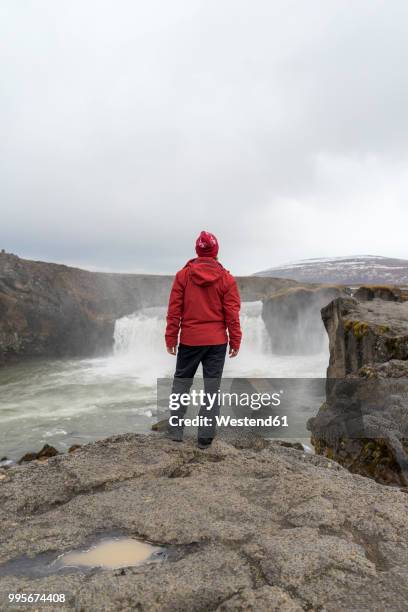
[364, 332]
[364, 422]
[247, 525]
[51, 310]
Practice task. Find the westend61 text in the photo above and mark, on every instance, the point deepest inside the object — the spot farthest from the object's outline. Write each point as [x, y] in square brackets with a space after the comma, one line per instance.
[227, 421]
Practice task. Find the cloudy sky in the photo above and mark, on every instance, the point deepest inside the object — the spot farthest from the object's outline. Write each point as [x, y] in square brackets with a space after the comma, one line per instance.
[128, 126]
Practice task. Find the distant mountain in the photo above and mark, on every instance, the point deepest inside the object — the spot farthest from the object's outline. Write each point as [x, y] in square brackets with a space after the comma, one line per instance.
[352, 270]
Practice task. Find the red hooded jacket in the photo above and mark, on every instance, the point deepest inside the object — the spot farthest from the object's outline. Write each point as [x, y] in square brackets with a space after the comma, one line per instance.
[204, 302]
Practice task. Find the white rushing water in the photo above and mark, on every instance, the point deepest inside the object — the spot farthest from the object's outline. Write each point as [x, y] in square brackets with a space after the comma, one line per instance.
[63, 402]
[139, 339]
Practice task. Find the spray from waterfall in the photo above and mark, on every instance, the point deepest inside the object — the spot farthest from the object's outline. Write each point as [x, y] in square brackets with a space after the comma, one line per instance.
[142, 334]
[139, 340]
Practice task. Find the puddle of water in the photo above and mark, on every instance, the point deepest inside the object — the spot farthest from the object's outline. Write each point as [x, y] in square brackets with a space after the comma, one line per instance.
[111, 554]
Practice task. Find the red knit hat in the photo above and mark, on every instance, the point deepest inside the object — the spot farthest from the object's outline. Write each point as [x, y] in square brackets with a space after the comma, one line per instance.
[206, 245]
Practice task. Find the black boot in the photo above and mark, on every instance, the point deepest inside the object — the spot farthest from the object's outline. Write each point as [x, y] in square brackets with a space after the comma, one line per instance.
[204, 442]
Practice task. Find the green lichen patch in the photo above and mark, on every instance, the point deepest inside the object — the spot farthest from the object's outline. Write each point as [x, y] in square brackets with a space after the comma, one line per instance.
[358, 328]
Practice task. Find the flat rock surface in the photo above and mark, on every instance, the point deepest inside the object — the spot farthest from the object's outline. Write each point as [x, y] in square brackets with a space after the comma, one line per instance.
[248, 525]
[380, 312]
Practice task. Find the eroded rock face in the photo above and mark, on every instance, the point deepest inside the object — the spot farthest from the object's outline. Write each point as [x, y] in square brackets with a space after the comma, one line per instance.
[292, 318]
[364, 422]
[247, 527]
[361, 333]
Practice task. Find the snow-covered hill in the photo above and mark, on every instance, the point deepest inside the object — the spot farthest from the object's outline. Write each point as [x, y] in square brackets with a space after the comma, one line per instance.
[352, 270]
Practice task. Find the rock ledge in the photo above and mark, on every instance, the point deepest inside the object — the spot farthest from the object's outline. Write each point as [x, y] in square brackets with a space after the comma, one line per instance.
[251, 525]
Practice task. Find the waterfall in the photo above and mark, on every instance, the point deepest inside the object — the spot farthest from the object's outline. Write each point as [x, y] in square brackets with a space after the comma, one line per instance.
[139, 345]
[256, 338]
[142, 333]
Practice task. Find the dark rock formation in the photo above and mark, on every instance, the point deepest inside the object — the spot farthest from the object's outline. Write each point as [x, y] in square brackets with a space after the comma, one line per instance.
[364, 423]
[74, 448]
[52, 310]
[383, 292]
[258, 528]
[292, 318]
[46, 452]
[287, 444]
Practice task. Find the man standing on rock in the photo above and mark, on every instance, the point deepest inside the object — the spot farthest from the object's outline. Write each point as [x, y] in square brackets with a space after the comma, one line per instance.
[204, 305]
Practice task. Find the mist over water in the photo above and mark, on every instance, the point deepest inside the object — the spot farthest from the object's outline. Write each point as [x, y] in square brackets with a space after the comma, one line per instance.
[65, 402]
[139, 339]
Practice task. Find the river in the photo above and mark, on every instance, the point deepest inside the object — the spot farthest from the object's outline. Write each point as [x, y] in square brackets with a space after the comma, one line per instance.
[74, 401]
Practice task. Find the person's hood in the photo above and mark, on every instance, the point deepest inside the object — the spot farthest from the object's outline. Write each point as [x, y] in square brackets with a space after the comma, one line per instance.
[204, 270]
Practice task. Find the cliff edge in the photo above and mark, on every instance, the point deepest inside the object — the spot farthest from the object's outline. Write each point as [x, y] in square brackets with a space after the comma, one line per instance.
[364, 422]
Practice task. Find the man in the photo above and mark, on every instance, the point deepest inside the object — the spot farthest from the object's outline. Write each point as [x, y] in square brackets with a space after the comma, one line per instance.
[204, 305]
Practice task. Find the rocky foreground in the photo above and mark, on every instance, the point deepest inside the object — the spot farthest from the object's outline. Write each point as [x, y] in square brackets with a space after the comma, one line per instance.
[248, 525]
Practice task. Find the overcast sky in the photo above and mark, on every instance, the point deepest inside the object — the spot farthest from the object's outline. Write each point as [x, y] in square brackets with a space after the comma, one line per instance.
[126, 127]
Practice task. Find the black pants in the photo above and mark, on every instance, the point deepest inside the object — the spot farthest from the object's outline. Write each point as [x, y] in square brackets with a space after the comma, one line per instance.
[188, 359]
